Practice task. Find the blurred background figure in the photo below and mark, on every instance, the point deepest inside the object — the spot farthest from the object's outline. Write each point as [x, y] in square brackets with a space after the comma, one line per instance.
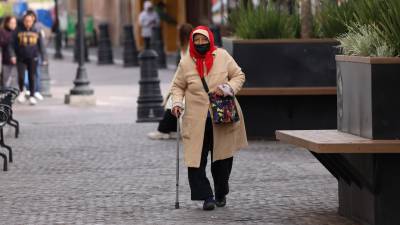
[40, 28]
[9, 71]
[27, 47]
[148, 19]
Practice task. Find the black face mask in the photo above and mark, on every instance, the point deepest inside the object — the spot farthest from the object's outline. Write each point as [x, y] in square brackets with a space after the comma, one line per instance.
[202, 49]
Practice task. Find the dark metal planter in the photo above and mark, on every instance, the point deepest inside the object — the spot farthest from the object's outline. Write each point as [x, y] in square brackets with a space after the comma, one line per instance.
[368, 186]
[285, 62]
[368, 96]
[266, 114]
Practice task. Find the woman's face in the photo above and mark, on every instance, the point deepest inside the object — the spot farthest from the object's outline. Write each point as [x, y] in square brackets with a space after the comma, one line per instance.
[28, 21]
[12, 24]
[200, 39]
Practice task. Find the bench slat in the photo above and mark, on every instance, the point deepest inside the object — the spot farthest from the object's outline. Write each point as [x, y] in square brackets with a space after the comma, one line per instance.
[265, 91]
[333, 141]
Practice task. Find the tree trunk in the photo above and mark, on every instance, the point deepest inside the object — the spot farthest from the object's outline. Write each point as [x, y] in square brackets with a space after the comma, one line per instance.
[306, 19]
[291, 7]
[317, 6]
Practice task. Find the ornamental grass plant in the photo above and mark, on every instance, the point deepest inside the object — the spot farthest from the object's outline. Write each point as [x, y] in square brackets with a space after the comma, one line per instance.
[375, 30]
[364, 40]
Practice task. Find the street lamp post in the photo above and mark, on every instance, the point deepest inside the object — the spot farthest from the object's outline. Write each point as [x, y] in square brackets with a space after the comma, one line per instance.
[81, 93]
[57, 31]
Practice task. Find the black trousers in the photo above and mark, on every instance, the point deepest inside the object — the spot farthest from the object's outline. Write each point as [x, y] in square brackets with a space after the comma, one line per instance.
[199, 184]
[168, 122]
[30, 65]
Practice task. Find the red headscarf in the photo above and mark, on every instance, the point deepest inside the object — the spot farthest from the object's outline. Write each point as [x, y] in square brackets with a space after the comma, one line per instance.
[207, 58]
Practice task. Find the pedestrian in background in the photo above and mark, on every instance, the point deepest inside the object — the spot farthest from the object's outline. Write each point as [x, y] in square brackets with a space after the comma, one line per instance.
[39, 27]
[199, 134]
[148, 19]
[27, 47]
[167, 126]
[9, 70]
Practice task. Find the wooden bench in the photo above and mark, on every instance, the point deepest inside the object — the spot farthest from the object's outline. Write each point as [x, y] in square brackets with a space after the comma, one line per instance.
[271, 91]
[368, 172]
[333, 141]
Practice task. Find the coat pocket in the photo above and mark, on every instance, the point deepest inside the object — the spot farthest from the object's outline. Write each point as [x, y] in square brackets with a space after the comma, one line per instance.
[186, 126]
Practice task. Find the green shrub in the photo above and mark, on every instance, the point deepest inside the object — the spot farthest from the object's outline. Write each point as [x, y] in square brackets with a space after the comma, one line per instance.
[263, 22]
[332, 19]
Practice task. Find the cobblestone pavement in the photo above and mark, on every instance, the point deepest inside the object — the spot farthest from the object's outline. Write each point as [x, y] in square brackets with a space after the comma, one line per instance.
[95, 166]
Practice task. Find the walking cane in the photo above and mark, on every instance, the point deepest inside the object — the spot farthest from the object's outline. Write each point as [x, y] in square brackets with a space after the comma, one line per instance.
[178, 136]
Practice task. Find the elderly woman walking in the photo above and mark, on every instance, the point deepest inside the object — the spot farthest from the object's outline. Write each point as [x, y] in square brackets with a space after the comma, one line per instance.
[199, 134]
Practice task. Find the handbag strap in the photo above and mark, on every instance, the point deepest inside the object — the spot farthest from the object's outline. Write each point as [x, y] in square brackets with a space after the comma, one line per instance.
[203, 81]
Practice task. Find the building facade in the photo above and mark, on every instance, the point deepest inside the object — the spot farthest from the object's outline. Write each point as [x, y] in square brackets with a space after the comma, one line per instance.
[118, 13]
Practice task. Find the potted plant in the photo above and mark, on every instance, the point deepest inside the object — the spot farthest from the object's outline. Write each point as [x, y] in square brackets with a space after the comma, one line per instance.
[368, 72]
[269, 47]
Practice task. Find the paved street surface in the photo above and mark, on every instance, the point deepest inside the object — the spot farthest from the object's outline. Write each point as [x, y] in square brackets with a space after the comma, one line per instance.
[94, 165]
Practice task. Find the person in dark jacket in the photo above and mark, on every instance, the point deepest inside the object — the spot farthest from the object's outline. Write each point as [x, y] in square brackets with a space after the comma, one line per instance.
[27, 48]
[39, 27]
[9, 71]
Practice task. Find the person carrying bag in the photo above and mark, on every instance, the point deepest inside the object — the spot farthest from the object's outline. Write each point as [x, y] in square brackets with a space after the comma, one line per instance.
[204, 127]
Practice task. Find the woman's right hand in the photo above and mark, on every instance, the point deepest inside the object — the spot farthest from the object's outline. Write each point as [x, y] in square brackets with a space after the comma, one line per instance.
[177, 111]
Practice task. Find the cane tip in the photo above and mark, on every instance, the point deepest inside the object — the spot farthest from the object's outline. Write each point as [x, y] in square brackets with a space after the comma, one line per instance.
[176, 205]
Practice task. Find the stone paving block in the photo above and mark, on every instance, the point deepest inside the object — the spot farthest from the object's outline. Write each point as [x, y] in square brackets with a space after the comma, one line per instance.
[112, 174]
[95, 166]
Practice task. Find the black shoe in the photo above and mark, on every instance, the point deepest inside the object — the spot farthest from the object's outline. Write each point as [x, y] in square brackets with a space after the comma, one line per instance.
[209, 204]
[220, 202]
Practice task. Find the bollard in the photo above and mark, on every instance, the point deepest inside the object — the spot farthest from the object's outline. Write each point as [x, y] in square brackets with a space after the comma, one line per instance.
[130, 52]
[58, 45]
[77, 49]
[104, 50]
[45, 80]
[217, 35]
[150, 100]
[157, 44]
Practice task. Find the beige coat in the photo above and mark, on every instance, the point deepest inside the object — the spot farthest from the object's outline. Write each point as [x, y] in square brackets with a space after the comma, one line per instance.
[228, 138]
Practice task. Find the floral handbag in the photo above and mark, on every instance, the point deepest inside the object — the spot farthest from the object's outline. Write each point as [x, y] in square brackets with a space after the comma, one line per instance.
[223, 108]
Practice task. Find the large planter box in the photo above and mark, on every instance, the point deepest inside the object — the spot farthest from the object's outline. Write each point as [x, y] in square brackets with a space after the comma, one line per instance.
[285, 62]
[368, 96]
